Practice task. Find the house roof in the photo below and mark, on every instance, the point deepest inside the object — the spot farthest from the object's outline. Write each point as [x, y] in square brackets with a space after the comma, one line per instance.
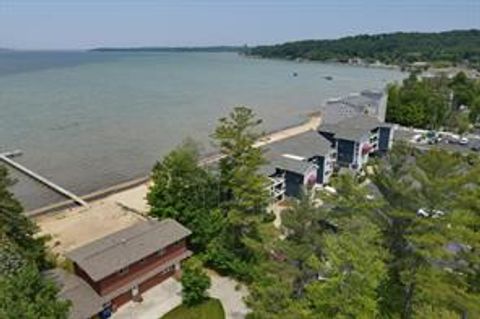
[112, 253]
[292, 165]
[334, 112]
[353, 128]
[373, 94]
[86, 302]
[360, 102]
[308, 145]
[279, 161]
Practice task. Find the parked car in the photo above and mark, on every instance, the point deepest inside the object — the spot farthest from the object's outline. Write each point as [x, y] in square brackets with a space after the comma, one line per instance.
[417, 138]
[463, 141]
[436, 213]
[453, 139]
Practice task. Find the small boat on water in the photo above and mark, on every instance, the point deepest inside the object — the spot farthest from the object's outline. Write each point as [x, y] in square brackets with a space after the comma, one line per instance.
[329, 78]
[295, 74]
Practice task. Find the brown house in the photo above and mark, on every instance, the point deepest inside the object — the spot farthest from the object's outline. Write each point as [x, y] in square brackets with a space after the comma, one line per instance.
[120, 267]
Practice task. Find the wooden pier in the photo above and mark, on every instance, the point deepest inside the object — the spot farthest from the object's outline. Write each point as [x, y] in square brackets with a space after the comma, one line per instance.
[6, 157]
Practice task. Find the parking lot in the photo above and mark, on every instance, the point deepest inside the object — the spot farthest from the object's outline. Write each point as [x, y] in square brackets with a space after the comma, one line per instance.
[446, 142]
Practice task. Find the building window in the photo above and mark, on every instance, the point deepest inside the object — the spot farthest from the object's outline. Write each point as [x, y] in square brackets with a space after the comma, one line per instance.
[123, 271]
[168, 269]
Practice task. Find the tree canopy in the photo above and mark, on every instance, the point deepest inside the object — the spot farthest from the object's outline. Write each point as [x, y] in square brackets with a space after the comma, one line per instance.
[358, 256]
[434, 103]
[225, 208]
[394, 48]
[195, 282]
[24, 291]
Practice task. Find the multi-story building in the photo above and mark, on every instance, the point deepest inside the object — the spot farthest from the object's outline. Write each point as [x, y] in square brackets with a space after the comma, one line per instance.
[117, 268]
[303, 160]
[355, 138]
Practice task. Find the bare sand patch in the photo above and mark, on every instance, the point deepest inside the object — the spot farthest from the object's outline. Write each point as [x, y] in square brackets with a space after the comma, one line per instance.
[76, 227]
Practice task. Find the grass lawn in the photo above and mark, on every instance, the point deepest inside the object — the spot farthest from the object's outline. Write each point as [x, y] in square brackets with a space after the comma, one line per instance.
[210, 309]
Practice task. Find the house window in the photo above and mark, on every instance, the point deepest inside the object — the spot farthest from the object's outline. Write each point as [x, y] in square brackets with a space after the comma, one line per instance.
[123, 271]
[168, 269]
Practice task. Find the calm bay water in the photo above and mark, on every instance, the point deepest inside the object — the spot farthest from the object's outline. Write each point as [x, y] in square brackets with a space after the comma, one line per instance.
[90, 120]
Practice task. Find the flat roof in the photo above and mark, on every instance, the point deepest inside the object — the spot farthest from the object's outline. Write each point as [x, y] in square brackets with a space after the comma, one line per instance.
[116, 251]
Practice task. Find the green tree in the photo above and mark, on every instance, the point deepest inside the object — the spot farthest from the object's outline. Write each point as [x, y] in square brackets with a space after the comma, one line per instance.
[424, 273]
[474, 113]
[183, 190]
[27, 294]
[353, 269]
[24, 291]
[18, 228]
[195, 282]
[402, 49]
[244, 193]
[434, 103]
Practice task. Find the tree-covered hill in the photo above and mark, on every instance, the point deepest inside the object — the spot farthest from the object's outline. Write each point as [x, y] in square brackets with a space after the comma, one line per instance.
[394, 48]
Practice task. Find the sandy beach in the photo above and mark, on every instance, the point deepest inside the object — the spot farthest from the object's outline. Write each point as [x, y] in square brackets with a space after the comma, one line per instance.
[76, 226]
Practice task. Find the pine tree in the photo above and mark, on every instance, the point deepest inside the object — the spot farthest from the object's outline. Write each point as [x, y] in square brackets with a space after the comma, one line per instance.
[244, 192]
[24, 291]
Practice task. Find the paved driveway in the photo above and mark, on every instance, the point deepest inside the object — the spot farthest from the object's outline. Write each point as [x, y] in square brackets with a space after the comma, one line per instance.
[223, 288]
[164, 297]
[156, 302]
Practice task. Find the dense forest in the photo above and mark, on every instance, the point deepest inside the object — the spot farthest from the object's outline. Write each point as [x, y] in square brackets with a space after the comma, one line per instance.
[394, 48]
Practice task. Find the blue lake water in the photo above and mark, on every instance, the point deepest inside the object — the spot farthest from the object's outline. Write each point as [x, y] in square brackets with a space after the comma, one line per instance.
[88, 120]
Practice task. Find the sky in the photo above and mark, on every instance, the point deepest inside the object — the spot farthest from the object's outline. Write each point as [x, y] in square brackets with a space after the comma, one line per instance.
[82, 24]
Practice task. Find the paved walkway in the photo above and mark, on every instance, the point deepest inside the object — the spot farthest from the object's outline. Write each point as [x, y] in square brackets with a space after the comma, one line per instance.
[164, 297]
[223, 288]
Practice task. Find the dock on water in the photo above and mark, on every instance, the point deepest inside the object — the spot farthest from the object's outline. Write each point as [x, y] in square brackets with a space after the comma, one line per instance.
[6, 157]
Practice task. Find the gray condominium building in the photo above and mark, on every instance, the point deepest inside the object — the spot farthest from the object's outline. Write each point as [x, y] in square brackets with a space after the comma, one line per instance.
[356, 138]
[309, 159]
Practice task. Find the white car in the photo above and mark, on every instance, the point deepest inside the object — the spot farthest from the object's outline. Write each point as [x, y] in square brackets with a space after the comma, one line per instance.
[422, 212]
[463, 141]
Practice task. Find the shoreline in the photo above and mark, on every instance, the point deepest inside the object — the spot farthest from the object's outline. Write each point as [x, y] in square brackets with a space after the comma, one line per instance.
[313, 119]
[305, 60]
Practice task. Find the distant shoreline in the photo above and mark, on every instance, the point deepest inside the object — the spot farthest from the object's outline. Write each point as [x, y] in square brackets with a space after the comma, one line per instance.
[169, 49]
